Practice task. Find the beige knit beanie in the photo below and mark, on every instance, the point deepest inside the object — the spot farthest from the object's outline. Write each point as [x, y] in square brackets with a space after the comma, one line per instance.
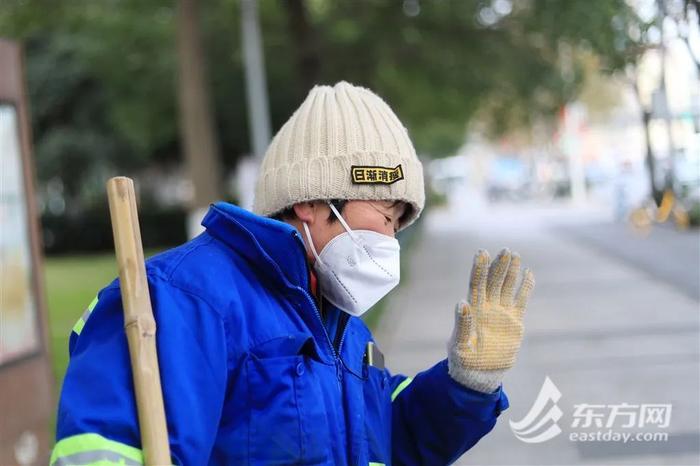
[344, 142]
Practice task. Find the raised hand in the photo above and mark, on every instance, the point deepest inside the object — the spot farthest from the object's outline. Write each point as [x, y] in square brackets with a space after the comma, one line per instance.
[488, 327]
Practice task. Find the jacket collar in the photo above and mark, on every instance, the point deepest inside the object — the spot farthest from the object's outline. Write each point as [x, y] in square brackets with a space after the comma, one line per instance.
[275, 248]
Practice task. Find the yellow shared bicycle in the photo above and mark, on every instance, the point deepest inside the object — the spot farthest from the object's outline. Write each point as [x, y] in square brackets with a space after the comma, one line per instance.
[645, 216]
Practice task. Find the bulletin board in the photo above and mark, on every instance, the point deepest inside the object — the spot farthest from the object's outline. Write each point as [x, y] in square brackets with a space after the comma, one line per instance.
[19, 333]
[26, 380]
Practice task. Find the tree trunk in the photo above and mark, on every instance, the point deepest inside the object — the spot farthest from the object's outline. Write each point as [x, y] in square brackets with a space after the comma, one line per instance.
[656, 193]
[196, 120]
[307, 55]
[696, 4]
[649, 159]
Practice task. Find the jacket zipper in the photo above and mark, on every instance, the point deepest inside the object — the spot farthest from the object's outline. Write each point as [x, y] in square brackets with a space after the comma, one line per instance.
[320, 319]
[336, 356]
[340, 331]
[342, 325]
[342, 321]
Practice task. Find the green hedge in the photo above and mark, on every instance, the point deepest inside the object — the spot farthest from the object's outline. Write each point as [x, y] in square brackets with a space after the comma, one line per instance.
[91, 231]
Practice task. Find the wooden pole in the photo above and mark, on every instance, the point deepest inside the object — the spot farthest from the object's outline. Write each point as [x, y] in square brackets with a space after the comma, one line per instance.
[139, 323]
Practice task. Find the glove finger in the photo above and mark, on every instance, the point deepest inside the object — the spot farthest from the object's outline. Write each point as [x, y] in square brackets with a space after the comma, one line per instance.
[460, 330]
[497, 275]
[464, 331]
[508, 289]
[477, 281]
[525, 289]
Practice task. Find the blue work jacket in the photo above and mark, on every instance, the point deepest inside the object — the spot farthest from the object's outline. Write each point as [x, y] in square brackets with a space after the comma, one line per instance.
[251, 372]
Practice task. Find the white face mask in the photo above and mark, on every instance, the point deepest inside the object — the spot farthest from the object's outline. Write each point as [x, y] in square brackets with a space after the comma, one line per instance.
[356, 268]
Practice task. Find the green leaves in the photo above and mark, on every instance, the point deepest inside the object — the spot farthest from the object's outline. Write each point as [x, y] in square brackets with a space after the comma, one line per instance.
[102, 74]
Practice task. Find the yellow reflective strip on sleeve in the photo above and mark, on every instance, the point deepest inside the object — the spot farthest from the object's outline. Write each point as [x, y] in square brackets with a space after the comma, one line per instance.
[372, 463]
[94, 449]
[400, 388]
[95, 458]
[93, 304]
[78, 327]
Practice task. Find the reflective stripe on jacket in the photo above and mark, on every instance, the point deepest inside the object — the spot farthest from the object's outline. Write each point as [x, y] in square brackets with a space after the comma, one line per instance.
[251, 374]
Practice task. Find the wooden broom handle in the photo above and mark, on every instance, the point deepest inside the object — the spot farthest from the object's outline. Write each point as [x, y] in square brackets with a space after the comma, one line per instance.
[139, 323]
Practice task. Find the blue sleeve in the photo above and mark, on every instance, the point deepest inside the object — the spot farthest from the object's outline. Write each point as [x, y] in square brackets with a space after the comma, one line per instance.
[435, 419]
[97, 416]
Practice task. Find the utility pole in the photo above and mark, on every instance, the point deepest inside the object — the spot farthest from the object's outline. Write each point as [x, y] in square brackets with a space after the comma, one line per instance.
[258, 106]
[571, 121]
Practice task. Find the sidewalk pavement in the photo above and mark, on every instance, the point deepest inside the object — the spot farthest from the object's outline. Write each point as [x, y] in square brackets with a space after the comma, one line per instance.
[603, 329]
[673, 257]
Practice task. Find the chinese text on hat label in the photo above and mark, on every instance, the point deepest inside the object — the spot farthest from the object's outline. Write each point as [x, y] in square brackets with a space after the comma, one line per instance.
[363, 174]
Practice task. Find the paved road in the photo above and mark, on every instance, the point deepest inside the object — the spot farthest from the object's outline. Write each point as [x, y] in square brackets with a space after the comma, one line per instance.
[664, 254]
[606, 327]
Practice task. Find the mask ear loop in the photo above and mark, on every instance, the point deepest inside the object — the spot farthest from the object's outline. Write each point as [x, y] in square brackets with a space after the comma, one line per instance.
[311, 243]
[342, 221]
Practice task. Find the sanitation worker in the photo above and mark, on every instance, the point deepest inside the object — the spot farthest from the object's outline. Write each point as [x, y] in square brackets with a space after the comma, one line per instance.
[263, 356]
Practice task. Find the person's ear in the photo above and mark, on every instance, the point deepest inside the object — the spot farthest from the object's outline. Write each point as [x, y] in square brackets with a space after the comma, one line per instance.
[305, 212]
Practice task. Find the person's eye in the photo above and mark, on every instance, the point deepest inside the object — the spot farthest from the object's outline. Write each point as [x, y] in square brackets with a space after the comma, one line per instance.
[388, 219]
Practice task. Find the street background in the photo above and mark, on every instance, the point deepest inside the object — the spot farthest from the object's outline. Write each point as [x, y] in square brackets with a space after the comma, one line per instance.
[614, 318]
[566, 130]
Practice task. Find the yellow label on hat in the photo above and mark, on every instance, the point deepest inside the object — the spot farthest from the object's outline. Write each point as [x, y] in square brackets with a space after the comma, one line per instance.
[367, 174]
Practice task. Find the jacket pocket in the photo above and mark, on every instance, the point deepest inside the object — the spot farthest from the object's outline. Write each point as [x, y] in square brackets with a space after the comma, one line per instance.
[377, 415]
[287, 415]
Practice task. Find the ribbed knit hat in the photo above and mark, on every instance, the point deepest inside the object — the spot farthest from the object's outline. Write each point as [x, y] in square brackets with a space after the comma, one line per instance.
[344, 142]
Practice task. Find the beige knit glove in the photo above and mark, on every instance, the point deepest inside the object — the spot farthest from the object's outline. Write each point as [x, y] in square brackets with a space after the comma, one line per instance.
[489, 328]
